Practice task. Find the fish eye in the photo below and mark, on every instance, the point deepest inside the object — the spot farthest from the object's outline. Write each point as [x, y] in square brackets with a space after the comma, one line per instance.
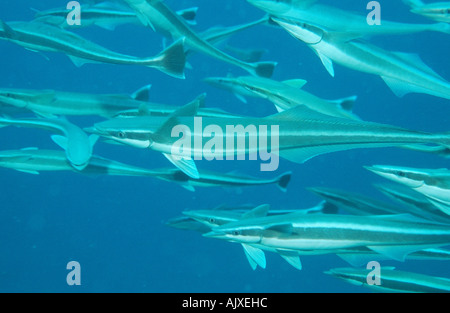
[401, 174]
[121, 135]
[235, 233]
[212, 220]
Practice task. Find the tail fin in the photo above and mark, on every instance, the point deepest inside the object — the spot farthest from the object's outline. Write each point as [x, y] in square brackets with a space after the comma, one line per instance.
[7, 30]
[172, 60]
[346, 103]
[284, 180]
[264, 69]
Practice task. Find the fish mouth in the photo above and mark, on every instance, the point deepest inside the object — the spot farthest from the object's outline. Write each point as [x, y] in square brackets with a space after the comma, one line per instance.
[379, 169]
[214, 234]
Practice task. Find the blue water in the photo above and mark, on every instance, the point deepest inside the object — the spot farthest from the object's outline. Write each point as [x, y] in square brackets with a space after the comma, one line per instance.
[115, 226]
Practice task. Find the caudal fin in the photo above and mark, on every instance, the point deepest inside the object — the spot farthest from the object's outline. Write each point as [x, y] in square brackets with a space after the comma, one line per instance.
[284, 180]
[263, 69]
[172, 60]
[345, 105]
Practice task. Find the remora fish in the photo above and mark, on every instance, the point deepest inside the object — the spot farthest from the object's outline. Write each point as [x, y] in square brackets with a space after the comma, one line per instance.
[354, 256]
[254, 253]
[356, 204]
[49, 103]
[393, 280]
[71, 138]
[438, 11]
[44, 37]
[106, 15]
[414, 200]
[392, 236]
[156, 109]
[360, 205]
[336, 19]
[432, 183]
[231, 214]
[156, 14]
[33, 161]
[302, 134]
[109, 15]
[212, 179]
[285, 95]
[403, 73]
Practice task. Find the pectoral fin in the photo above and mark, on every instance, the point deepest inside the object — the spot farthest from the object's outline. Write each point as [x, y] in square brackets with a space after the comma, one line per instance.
[327, 62]
[186, 165]
[106, 25]
[188, 186]
[252, 262]
[291, 257]
[256, 254]
[60, 141]
[29, 172]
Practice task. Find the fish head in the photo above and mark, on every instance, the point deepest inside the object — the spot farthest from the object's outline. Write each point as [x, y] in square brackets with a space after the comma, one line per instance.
[413, 178]
[17, 98]
[128, 131]
[212, 218]
[273, 6]
[350, 275]
[13, 156]
[238, 85]
[308, 33]
[240, 234]
[221, 82]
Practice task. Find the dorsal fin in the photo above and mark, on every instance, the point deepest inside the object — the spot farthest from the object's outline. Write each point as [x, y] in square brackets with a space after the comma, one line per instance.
[142, 94]
[10, 33]
[259, 211]
[296, 83]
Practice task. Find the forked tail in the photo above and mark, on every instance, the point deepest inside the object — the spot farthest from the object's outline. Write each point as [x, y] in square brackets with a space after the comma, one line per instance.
[171, 60]
[284, 180]
[263, 69]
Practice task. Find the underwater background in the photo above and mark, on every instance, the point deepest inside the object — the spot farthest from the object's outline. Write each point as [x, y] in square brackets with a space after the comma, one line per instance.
[115, 227]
